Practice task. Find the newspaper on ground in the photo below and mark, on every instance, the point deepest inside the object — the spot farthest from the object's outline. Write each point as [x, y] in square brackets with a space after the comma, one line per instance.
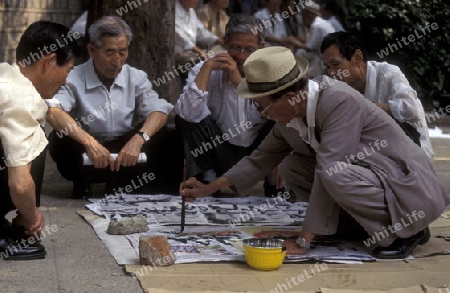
[215, 227]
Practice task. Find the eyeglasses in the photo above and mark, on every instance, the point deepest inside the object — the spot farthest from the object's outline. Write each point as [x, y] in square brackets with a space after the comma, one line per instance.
[259, 108]
[237, 49]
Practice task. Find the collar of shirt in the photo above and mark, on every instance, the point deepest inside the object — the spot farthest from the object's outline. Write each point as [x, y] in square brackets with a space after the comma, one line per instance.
[181, 12]
[17, 73]
[307, 132]
[92, 80]
[371, 82]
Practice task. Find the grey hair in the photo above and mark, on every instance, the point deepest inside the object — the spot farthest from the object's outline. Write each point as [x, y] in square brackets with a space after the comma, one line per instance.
[111, 26]
[245, 24]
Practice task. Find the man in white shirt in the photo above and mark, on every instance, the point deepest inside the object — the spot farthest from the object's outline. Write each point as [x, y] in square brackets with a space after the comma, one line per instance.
[329, 10]
[382, 83]
[318, 29]
[276, 33]
[214, 17]
[218, 127]
[189, 30]
[110, 107]
[45, 55]
[294, 22]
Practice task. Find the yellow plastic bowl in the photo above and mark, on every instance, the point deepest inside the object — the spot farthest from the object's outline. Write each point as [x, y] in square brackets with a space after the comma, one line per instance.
[264, 254]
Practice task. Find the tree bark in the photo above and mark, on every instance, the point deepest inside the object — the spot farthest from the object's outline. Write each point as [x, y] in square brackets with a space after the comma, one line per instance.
[153, 25]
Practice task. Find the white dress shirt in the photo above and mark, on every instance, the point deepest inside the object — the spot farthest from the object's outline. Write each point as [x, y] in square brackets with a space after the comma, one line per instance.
[318, 30]
[22, 116]
[307, 131]
[222, 102]
[108, 114]
[189, 30]
[336, 24]
[274, 28]
[386, 83]
[214, 23]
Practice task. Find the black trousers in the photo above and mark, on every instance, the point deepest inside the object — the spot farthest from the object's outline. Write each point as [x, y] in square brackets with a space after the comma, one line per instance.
[37, 173]
[218, 156]
[164, 159]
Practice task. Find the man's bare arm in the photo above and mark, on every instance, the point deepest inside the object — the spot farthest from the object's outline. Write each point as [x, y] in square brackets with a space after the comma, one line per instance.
[192, 188]
[22, 190]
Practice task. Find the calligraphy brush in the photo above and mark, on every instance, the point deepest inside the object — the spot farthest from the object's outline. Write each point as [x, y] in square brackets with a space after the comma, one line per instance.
[183, 200]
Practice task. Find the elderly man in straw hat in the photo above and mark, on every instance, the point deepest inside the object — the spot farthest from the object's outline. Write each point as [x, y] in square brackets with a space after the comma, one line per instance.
[339, 151]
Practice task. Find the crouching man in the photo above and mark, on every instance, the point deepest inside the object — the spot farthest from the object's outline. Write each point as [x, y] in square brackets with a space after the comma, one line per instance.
[45, 55]
[326, 139]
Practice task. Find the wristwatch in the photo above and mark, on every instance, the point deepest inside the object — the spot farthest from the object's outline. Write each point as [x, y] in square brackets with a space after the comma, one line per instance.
[302, 242]
[144, 136]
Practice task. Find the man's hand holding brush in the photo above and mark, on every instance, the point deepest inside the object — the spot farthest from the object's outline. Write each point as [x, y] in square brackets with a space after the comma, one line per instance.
[192, 189]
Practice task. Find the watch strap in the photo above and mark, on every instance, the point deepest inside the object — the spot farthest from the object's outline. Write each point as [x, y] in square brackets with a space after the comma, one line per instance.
[302, 243]
[144, 136]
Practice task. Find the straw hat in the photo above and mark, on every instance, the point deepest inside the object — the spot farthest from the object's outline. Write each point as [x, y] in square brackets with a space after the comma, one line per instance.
[270, 70]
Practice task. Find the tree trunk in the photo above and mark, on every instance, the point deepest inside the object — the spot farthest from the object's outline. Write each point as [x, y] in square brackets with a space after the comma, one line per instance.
[152, 49]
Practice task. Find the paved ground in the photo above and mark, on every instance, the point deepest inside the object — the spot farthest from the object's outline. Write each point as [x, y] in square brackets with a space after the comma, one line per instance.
[77, 260]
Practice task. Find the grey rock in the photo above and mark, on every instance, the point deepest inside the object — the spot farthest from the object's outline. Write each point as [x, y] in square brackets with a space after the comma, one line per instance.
[124, 226]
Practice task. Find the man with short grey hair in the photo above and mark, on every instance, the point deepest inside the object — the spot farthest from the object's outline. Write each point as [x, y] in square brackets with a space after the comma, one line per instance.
[210, 108]
[107, 107]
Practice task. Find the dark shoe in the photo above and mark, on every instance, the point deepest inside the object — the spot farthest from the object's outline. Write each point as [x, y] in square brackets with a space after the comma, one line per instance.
[402, 247]
[271, 190]
[11, 249]
[81, 190]
[15, 245]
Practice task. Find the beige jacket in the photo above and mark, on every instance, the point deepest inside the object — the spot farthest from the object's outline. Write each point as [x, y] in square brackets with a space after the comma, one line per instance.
[347, 124]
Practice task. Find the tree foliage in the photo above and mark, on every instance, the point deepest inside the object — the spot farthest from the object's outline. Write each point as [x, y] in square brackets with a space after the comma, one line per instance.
[425, 61]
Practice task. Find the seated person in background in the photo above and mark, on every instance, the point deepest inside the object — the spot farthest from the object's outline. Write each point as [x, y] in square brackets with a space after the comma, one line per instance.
[322, 136]
[79, 26]
[380, 82]
[293, 23]
[23, 144]
[218, 127]
[189, 31]
[214, 17]
[275, 29]
[332, 12]
[247, 7]
[318, 29]
[109, 107]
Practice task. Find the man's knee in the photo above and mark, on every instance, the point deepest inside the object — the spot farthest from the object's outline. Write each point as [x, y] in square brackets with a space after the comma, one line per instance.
[343, 178]
[334, 174]
[67, 154]
[294, 166]
[63, 146]
[286, 169]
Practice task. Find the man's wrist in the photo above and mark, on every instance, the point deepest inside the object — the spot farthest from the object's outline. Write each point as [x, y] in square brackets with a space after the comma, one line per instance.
[144, 136]
[88, 141]
[219, 183]
[237, 81]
